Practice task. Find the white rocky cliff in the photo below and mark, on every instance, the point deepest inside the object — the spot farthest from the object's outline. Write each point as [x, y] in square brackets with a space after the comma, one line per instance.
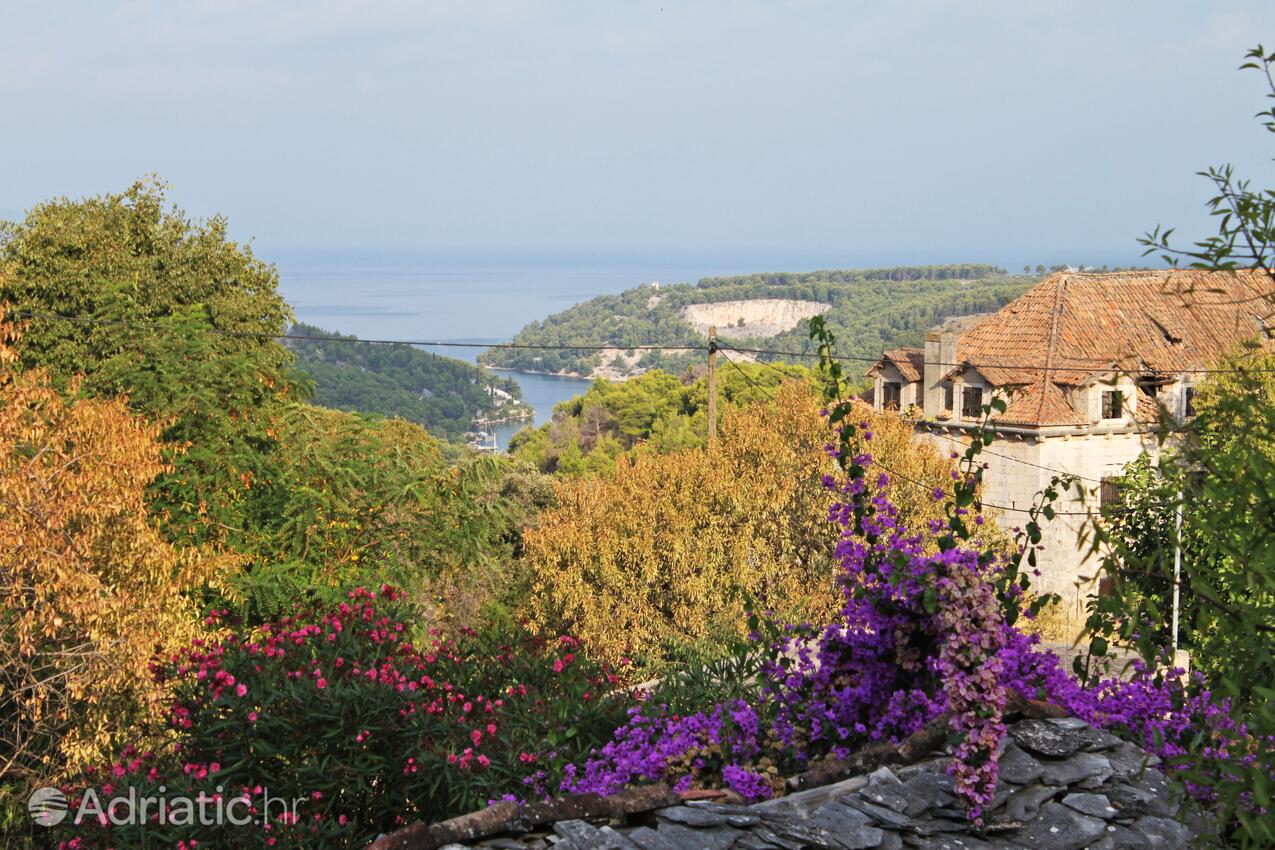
[756, 317]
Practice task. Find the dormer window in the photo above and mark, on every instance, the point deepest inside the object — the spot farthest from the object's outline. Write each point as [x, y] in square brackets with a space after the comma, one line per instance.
[972, 402]
[1112, 404]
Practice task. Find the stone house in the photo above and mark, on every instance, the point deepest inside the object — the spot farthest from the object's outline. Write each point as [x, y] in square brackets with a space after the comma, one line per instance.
[1087, 365]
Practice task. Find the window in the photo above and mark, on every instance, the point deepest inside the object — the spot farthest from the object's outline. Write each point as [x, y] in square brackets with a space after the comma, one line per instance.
[1112, 404]
[1190, 401]
[949, 395]
[1106, 586]
[891, 395]
[1109, 493]
[1150, 386]
[972, 402]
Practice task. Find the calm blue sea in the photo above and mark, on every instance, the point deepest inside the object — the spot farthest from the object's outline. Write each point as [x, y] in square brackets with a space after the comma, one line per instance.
[424, 298]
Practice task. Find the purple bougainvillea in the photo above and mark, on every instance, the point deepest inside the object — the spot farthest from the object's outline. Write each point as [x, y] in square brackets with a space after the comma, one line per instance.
[923, 630]
[655, 746]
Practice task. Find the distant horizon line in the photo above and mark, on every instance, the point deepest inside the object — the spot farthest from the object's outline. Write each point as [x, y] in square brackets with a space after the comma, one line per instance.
[758, 262]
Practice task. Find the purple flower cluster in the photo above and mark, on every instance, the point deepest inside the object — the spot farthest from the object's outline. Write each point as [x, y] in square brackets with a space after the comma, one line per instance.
[1166, 712]
[921, 631]
[746, 783]
[656, 746]
[970, 667]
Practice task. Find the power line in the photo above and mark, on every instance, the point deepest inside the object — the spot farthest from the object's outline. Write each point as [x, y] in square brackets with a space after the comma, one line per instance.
[898, 475]
[1026, 367]
[955, 440]
[944, 436]
[92, 320]
[766, 363]
[927, 488]
[981, 503]
[750, 380]
[677, 347]
[1012, 459]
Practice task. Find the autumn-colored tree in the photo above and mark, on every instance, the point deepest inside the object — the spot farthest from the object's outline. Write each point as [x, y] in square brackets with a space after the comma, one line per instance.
[128, 297]
[90, 592]
[123, 296]
[668, 549]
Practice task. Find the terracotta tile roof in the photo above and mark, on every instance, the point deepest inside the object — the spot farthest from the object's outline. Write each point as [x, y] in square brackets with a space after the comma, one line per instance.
[1147, 411]
[1042, 403]
[909, 361]
[1079, 326]
[1072, 329]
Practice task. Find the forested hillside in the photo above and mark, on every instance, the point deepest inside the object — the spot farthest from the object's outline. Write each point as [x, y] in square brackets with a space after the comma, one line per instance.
[441, 393]
[869, 310]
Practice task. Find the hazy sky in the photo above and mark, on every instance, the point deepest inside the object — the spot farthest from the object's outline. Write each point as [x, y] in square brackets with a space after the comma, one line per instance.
[1007, 131]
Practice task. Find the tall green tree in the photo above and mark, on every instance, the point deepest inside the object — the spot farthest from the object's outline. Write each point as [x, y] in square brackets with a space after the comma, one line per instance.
[124, 296]
[170, 313]
[1225, 473]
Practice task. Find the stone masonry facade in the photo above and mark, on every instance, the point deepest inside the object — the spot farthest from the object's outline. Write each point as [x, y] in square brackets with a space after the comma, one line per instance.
[1091, 368]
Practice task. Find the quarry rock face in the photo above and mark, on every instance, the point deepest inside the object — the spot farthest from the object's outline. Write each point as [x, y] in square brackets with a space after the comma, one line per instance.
[1066, 786]
[761, 317]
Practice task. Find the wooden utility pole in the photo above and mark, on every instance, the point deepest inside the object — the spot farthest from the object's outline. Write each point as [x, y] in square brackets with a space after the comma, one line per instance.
[712, 385]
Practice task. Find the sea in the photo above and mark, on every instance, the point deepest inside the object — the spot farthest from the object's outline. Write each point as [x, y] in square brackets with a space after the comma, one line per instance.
[477, 302]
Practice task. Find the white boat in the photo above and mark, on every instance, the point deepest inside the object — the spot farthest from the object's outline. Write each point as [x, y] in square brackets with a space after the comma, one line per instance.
[482, 438]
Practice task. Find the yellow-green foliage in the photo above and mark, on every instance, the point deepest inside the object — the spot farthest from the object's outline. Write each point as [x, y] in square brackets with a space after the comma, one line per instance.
[654, 412]
[665, 550]
[353, 501]
[90, 592]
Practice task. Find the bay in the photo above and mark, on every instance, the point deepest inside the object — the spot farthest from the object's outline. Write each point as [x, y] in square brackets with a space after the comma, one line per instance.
[480, 300]
[542, 392]
[384, 296]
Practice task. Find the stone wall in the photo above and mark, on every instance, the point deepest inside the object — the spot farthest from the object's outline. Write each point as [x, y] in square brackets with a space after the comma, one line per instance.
[1019, 468]
[1064, 786]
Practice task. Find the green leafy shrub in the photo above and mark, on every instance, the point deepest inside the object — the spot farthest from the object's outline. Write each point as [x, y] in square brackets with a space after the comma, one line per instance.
[349, 501]
[1225, 473]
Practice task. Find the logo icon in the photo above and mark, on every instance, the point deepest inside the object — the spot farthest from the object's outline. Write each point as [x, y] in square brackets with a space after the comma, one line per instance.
[47, 806]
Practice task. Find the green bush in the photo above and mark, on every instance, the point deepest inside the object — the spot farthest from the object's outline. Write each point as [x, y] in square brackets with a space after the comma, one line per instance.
[1225, 474]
